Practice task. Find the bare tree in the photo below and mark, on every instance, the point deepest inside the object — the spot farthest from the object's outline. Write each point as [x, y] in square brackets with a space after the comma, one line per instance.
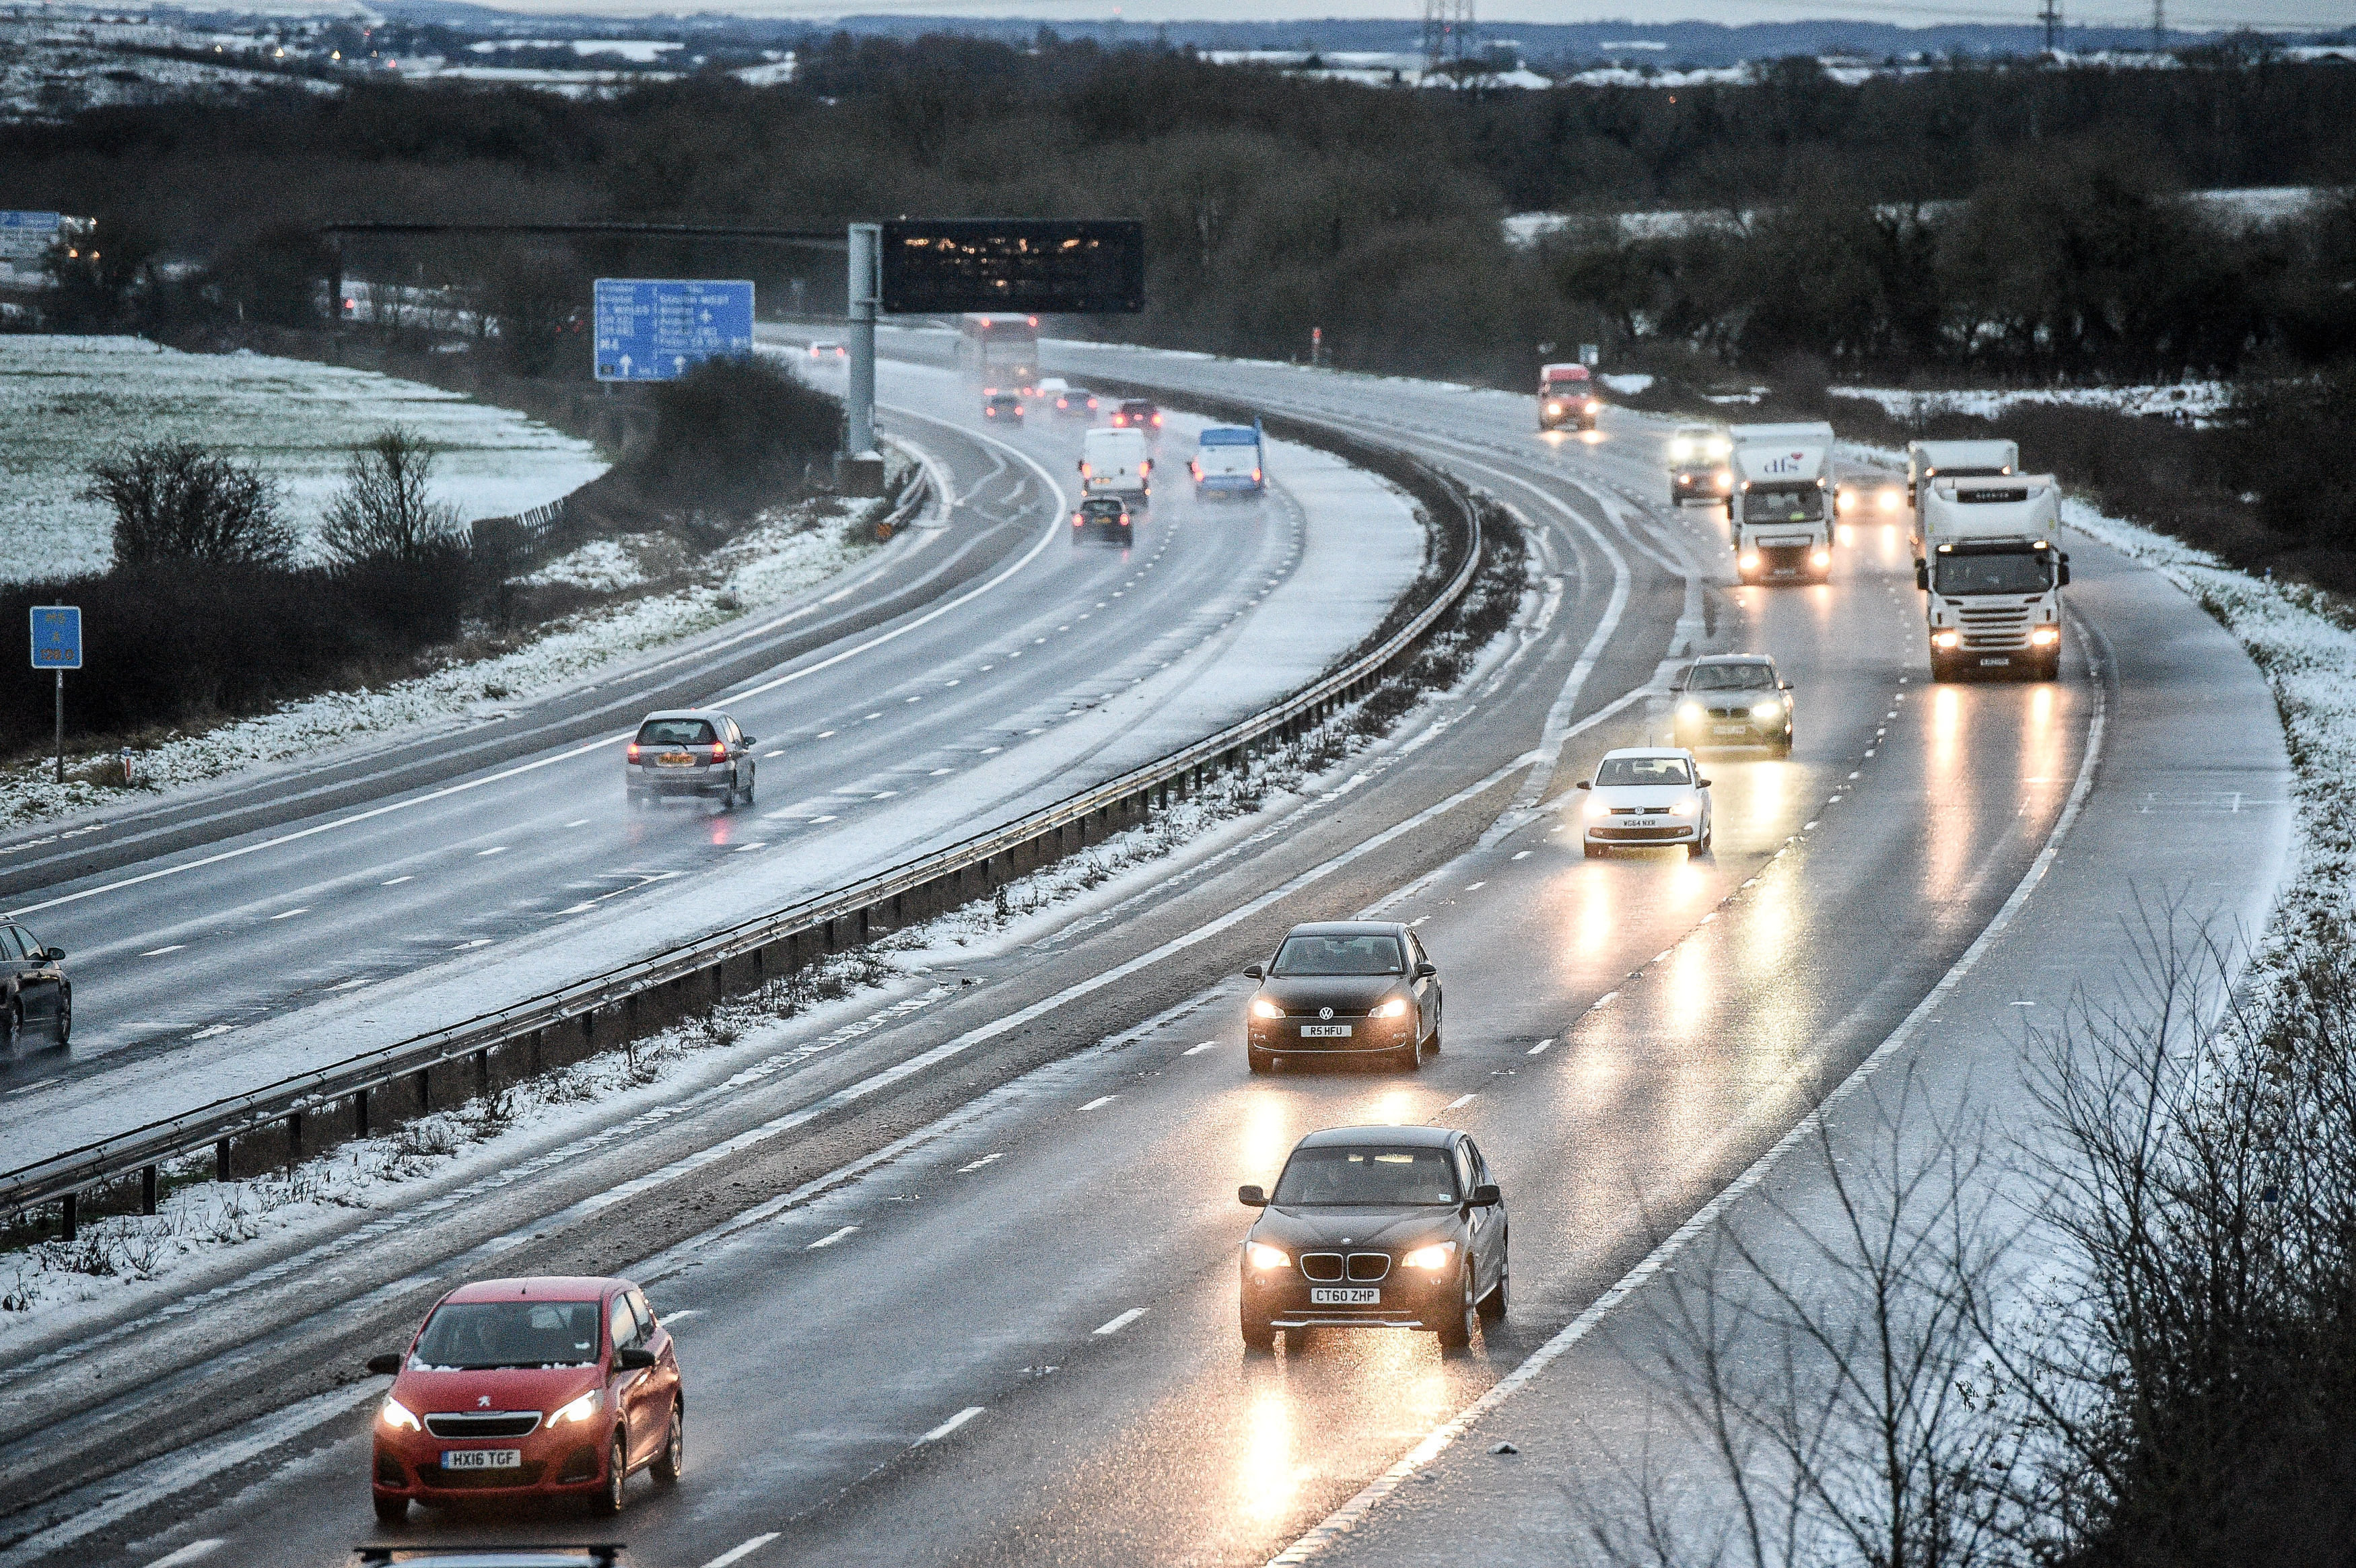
[385, 510]
[175, 502]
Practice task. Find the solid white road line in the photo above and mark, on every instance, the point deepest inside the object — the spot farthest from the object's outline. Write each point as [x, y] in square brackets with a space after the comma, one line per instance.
[738, 1554]
[188, 1553]
[829, 1241]
[1123, 1321]
[951, 1425]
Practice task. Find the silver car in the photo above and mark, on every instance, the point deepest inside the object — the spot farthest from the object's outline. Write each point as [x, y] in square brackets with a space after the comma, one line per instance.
[694, 752]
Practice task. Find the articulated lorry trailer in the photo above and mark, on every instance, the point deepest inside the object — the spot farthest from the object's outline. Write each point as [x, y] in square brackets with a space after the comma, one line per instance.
[1780, 510]
[1991, 575]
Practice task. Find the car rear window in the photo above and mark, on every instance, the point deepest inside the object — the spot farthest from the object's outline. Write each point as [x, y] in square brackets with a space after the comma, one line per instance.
[1382, 1175]
[1617, 771]
[1372, 955]
[509, 1334]
[675, 732]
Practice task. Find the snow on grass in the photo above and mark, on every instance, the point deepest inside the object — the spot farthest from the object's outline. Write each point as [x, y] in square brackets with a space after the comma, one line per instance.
[66, 401]
[785, 552]
[2195, 401]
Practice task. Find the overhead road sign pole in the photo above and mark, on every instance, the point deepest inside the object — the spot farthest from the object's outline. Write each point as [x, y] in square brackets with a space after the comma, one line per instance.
[56, 646]
[866, 287]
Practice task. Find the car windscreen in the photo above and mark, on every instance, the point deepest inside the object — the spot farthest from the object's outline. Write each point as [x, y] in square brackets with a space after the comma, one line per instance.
[1729, 678]
[509, 1334]
[1377, 1176]
[1369, 954]
[1960, 574]
[1802, 503]
[674, 732]
[1619, 771]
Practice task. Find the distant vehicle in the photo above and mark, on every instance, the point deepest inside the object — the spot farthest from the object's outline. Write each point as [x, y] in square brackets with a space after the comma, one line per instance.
[35, 998]
[1992, 579]
[829, 351]
[692, 751]
[1782, 507]
[1107, 516]
[1733, 699]
[997, 405]
[1645, 797]
[1566, 397]
[1074, 402]
[1345, 988]
[1929, 460]
[1000, 349]
[529, 1388]
[1700, 465]
[1050, 387]
[1136, 413]
[1398, 1227]
[1116, 462]
[1229, 461]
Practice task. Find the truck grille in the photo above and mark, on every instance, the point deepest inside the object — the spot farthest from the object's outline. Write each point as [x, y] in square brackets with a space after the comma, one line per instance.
[1994, 627]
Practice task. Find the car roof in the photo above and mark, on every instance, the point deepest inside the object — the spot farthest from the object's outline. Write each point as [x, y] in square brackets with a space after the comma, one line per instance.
[546, 1288]
[1735, 658]
[1648, 752]
[1347, 928]
[1412, 1137]
[704, 713]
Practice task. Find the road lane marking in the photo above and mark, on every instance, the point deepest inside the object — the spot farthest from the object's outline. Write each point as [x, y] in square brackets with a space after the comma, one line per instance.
[756, 844]
[977, 1164]
[951, 1425]
[738, 1554]
[1541, 1045]
[1523, 854]
[1198, 1049]
[1474, 886]
[349, 985]
[831, 1240]
[160, 952]
[494, 850]
[1121, 1322]
[211, 1030]
[1100, 1101]
[396, 882]
[290, 913]
[584, 822]
[188, 1553]
[1460, 1101]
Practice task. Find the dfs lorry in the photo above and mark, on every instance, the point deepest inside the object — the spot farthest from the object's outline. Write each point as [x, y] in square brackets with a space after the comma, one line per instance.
[1780, 510]
[1991, 574]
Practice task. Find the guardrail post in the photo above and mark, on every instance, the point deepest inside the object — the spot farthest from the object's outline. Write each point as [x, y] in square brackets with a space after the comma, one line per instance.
[221, 1159]
[483, 1071]
[68, 1215]
[146, 1189]
[359, 1112]
[294, 1139]
[424, 1076]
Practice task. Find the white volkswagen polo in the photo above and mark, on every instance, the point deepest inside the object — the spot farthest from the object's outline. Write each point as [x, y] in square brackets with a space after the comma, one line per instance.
[1643, 796]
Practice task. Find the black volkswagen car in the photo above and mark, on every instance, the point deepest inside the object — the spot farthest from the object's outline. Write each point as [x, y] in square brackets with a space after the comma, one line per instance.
[1376, 1228]
[1347, 988]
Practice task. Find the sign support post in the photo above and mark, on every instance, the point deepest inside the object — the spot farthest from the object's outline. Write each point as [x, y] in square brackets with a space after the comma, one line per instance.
[56, 646]
[858, 406]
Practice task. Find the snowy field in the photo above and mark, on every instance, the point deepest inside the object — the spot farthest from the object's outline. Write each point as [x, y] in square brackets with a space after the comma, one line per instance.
[2197, 403]
[64, 400]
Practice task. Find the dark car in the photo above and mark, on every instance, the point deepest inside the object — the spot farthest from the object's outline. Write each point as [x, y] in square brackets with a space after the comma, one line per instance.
[691, 752]
[1105, 516]
[529, 1388]
[1733, 699]
[1376, 1228]
[1347, 988]
[1136, 413]
[1002, 406]
[1077, 401]
[35, 998]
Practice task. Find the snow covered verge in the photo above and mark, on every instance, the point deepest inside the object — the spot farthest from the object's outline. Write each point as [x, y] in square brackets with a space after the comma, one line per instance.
[2195, 402]
[784, 551]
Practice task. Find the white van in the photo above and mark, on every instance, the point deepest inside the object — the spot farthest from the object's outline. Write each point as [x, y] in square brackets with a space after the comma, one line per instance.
[1115, 462]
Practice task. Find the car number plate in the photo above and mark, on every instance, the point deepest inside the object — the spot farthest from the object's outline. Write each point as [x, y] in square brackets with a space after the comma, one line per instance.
[1324, 1031]
[1344, 1296]
[2001, 659]
[1727, 728]
[482, 1459]
[676, 760]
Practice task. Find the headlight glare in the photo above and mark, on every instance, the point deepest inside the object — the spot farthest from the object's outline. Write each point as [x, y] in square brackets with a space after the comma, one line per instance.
[1683, 808]
[1689, 711]
[1394, 1008]
[1263, 1009]
[581, 1409]
[1765, 709]
[2045, 637]
[1259, 1254]
[399, 1416]
[1945, 639]
[1435, 1257]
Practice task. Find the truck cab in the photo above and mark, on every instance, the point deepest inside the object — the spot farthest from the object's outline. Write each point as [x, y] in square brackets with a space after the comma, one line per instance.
[1991, 576]
[1566, 397]
[1780, 512]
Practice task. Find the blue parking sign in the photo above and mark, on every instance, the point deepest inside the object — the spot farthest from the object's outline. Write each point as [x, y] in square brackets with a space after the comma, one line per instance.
[57, 636]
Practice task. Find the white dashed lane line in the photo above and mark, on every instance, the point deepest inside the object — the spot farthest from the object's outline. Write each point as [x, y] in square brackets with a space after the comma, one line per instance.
[977, 1164]
[829, 1241]
[1121, 1322]
[1100, 1101]
[739, 1553]
[1541, 1045]
[396, 882]
[160, 952]
[1460, 1101]
[290, 913]
[1198, 1049]
[494, 850]
[951, 1425]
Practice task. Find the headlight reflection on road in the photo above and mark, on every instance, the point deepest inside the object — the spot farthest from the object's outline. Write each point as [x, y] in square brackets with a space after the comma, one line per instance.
[1595, 922]
[1265, 1476]
[1267, 1133]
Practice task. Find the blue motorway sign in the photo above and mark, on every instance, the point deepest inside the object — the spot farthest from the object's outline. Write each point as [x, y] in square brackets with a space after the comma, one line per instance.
[57, 636]
[653, 329]
[27, 236]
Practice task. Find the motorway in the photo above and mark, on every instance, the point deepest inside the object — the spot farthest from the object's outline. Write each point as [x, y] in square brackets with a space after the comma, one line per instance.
[962, 1290]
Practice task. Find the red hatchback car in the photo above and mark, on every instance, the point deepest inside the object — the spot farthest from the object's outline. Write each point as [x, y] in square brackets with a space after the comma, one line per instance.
[522, 1388]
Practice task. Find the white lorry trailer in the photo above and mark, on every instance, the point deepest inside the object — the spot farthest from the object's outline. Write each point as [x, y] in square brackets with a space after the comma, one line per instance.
[1780, 510]
[1229, 461]
[1116, 462]
[1929, 460]
[1991, 575]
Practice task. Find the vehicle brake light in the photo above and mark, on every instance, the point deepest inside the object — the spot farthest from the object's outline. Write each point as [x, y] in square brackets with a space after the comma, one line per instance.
[633, 750]
[1255, 476]
[1157, 421]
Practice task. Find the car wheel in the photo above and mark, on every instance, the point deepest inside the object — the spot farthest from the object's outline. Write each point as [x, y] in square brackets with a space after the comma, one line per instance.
[1433, 1044]
[390, 1510]
[617, 1476]
[1261, 1061]
[672, 1463]
[750, 785]
[1493, 1305]
[1456, 1334]
[12, 1028]
[1259, 1336]
[65, 1016]
[1783, 747]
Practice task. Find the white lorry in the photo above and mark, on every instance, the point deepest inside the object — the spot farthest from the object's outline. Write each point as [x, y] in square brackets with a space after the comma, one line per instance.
[1781, 510]
[1228, 462]
[1929, 460]
[1116, 462]
[1991, 574]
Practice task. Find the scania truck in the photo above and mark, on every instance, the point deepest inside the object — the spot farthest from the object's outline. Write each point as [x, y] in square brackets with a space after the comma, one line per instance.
[1780, 511]
[1991, 574]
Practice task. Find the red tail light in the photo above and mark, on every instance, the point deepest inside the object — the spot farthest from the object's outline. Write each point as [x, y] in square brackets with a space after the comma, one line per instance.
[633, 750]
[1157, 421]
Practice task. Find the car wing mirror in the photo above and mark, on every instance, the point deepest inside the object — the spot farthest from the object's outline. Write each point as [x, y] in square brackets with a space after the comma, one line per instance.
[1251, 1197]
[752, 740]
[1255, 972]
[1702, 783]
[1585, 784]
[632, 1359]
[385, 1366]
[2061, 573]
[1922, 577]
[1782, 685]
[53, 955]
[1486, 1196]
[1426, 971]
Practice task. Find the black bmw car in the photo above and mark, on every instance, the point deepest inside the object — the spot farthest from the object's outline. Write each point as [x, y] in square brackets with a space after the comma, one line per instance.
[1377, 1228]
[1347, 988]
[1733, 699]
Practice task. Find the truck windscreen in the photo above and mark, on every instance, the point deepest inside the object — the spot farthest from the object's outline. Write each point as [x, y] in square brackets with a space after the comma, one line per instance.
[1798, 504]
[1958, 575]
